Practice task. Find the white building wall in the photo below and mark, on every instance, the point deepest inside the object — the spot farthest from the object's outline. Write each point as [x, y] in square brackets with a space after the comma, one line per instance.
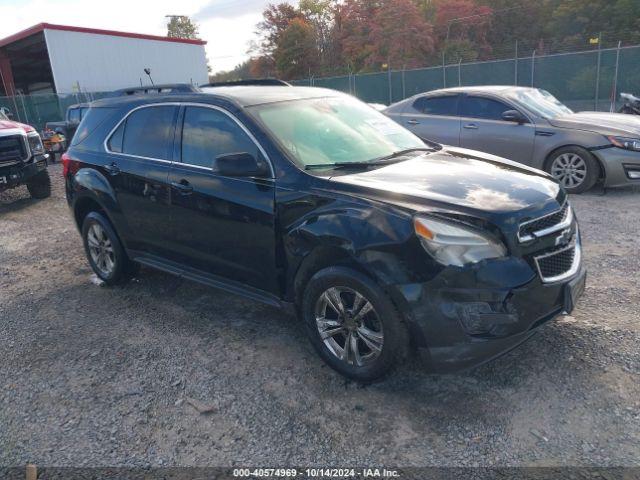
[104, 62]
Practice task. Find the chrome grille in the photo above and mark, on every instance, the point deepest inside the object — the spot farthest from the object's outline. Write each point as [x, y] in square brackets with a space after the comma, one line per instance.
[13, 149]
[546, 225]
[560, 263]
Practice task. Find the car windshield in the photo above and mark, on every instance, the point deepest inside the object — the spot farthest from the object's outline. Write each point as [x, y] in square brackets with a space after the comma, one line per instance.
[333, 130]
[540, 102]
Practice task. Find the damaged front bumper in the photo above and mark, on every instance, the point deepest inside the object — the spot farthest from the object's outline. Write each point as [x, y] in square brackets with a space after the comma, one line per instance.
[467, 316]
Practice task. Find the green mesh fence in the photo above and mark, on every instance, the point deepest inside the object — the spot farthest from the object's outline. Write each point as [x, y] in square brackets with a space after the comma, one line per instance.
[38, 109]
[575, 78]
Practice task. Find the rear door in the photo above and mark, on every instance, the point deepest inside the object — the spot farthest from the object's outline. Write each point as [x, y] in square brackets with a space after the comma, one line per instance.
[434, 118]
[140, 151]
[483, 129]
[223, 226]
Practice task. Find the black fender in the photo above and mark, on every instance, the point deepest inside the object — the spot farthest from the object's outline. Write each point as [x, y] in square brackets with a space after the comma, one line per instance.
[372, 240]
[92, 189]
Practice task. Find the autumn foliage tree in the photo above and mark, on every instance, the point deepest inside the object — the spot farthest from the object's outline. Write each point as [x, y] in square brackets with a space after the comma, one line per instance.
[297, 52]
[400, 36]
[466, 25]
[329, 37]
[354, 22]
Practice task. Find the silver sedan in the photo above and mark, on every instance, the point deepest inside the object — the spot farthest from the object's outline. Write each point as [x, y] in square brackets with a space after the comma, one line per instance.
[530, 126]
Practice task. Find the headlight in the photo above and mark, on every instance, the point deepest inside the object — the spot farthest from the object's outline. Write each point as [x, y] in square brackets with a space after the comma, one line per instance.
[457, 245]
[626, 143]
[35, 144]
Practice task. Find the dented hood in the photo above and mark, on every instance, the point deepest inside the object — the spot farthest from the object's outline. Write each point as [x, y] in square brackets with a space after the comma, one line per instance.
[600, 122]
[460, 178]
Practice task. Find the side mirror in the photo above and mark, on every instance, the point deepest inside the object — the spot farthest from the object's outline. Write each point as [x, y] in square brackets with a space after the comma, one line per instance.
[514, 116]
[241, 164]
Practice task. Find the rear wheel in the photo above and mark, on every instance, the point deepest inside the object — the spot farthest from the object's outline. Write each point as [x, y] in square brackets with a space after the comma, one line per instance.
[574, 168]
[39, 185]
[353, 324]
[104, 250]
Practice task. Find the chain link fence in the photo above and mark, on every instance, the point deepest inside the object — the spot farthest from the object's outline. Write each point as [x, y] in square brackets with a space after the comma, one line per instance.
[588, 80]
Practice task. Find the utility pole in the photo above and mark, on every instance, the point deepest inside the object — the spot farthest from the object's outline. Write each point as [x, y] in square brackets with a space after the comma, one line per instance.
[598, 71]
[515, 76]
[614, 92]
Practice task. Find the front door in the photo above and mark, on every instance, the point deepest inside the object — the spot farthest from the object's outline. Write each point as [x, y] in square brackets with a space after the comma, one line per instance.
[484, 130]
[223, 226]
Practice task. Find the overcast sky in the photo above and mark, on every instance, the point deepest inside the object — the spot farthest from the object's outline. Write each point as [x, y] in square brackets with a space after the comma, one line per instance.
[227, 25]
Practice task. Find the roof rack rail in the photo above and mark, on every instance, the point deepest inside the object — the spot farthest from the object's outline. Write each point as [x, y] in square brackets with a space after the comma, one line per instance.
[158, 89]
[253, 81]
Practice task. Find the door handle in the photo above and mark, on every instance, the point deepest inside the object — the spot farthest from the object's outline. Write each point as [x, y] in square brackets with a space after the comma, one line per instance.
[413, 122]
[112, 169]
[183, 187]
[471, 126]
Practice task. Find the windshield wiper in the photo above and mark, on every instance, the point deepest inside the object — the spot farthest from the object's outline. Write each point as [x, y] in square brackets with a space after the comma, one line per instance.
[320, 166]
[401, 153]
[376, 162]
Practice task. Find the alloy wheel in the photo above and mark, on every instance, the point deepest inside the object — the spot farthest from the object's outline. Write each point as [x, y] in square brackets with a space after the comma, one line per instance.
[101, 250]
[349, 326]
[569, 169]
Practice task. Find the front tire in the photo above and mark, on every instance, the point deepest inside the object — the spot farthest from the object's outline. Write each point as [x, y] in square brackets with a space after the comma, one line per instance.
[104, 251]
[353, 324]
[575, 168]
[39, 185]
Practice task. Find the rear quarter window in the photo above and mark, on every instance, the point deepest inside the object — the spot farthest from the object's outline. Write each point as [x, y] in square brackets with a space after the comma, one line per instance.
[92, 119]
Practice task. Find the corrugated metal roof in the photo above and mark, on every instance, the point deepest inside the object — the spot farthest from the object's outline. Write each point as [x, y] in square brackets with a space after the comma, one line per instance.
[50, 26]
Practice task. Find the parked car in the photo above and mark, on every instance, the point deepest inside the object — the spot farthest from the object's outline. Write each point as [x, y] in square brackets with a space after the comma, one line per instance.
[69, 125]
[530, 126]
[23, 160]
[307, 198]
[631, 104]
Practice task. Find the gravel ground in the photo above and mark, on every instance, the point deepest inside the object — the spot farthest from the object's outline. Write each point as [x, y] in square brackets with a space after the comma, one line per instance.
[101, 376]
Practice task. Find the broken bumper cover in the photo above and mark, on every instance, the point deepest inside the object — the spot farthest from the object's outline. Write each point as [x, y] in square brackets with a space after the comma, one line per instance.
[622, 167]
[15, 175]
[463, 319]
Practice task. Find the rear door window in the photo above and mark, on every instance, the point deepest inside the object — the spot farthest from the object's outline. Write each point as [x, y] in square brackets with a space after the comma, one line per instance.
[446, 105]
[483, 108]
[148, 132]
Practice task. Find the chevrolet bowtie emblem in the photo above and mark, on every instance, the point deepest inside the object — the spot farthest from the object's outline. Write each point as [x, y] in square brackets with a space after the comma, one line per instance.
[564, 238]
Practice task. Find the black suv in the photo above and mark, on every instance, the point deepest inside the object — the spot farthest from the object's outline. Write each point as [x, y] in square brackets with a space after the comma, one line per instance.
[309, 198]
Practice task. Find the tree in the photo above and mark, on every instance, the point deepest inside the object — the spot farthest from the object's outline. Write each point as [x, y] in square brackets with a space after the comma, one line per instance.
[523, 22]
[320, 14]
[574, 21]
[262, 67]
[463, 23]
[353, 24]
[399, 36]
[181, 26]
[296, 53]
[276, 19]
